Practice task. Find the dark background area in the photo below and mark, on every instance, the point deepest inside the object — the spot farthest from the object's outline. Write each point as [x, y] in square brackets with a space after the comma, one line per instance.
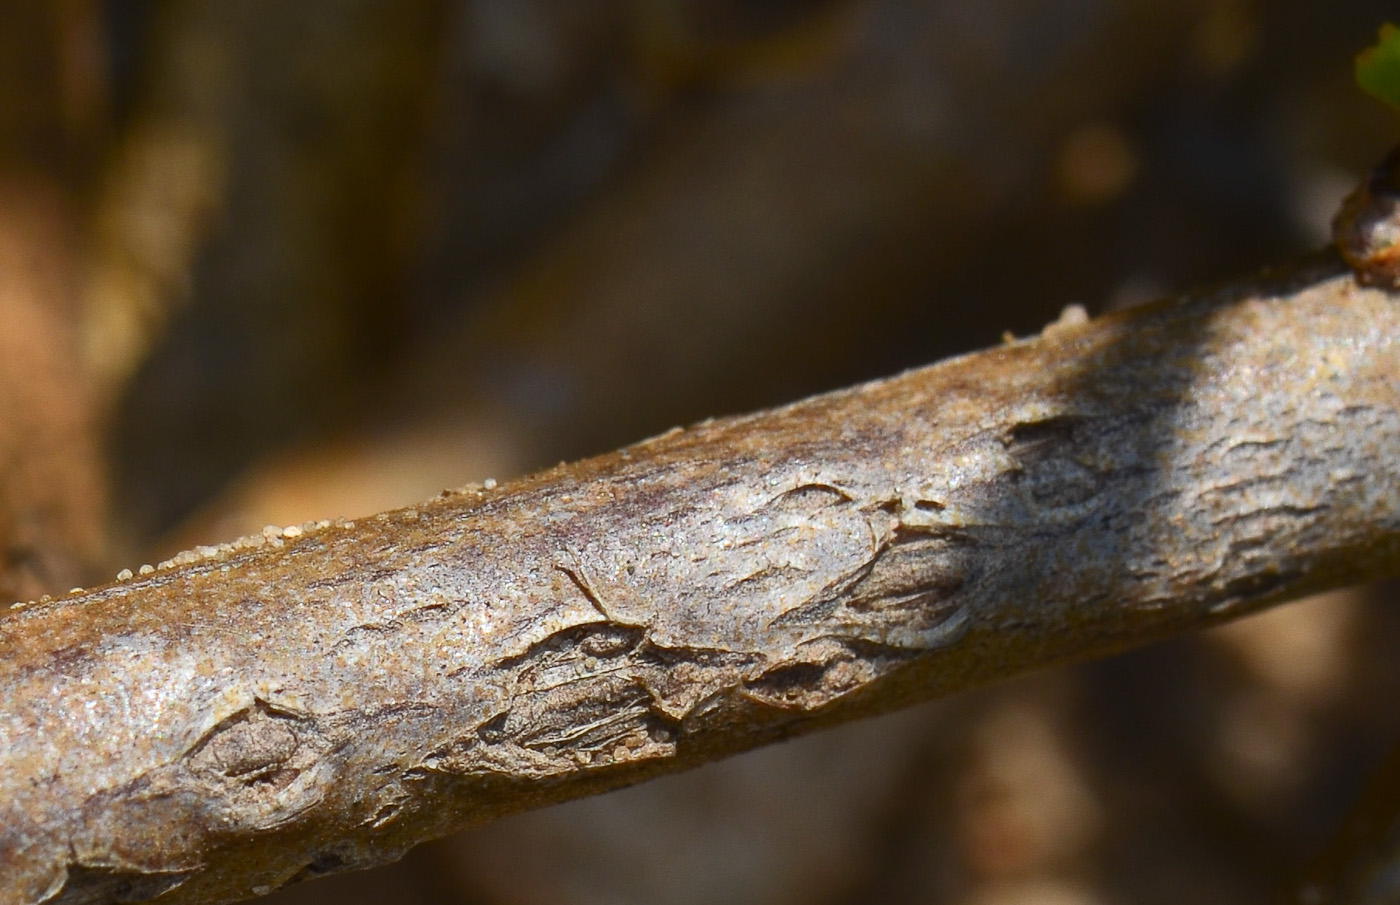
[269, 262]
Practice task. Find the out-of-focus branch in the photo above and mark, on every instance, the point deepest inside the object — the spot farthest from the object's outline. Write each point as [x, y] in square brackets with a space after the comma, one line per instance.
[51, 491]
[51, 487]
[321, 698]
[1362, 864]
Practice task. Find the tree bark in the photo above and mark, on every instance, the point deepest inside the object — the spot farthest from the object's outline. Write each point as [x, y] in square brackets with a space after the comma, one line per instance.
[322, 697]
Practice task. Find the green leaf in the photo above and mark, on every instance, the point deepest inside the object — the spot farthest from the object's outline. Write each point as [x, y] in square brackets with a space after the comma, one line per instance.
[1378, 67]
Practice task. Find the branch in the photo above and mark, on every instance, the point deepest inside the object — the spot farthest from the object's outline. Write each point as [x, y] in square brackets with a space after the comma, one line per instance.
[324, 697]
[1362, 864]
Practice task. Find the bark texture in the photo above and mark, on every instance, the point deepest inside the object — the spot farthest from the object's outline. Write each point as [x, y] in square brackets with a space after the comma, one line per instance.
[322, 697]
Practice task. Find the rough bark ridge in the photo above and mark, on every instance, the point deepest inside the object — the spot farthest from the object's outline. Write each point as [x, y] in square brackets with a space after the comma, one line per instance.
[319, 698]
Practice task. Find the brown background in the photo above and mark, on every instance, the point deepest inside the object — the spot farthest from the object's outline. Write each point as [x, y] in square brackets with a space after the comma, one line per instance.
[267, 262]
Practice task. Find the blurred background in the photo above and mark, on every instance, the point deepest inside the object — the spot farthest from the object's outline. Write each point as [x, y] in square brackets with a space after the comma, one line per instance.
[268, 262]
